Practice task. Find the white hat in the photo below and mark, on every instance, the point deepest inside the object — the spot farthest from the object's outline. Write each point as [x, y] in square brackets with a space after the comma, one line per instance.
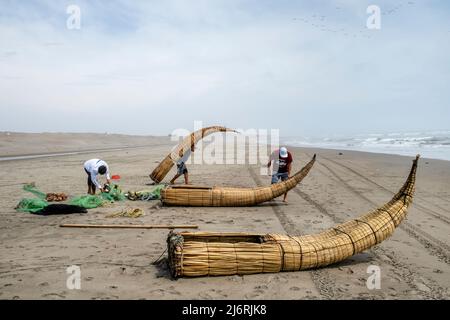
[283, 152]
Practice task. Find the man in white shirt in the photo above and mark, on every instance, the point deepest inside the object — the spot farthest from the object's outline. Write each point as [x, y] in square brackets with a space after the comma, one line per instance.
[93, 168]
[181, 166]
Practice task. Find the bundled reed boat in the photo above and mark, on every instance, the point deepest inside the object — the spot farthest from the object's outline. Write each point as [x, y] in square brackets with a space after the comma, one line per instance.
[177, 153]
[197, 196]
[218, 254]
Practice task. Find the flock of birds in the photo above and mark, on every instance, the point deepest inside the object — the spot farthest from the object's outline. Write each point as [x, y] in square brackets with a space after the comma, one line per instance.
[320, 22]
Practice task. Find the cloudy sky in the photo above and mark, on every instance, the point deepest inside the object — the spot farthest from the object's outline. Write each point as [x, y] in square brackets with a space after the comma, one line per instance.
[148, 67]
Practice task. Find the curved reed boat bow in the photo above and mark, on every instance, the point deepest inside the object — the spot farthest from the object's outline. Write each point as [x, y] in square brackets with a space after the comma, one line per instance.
[164, 166]
[214, 254]
[197, 196]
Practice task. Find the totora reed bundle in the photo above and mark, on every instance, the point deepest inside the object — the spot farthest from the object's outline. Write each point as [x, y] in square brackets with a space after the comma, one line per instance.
[177, 153]
[217, 254]
[195, 196]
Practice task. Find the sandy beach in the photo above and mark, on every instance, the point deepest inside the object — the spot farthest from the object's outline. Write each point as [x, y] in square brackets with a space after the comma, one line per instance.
[117, 264]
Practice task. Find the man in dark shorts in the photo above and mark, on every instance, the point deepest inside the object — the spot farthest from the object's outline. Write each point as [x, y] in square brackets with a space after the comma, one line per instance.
[282, 162]
[93, 168]
[181, 166]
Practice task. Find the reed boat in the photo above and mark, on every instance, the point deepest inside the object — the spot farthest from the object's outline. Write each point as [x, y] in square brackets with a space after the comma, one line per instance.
[167, 163]
[218, 254]
[199, 196]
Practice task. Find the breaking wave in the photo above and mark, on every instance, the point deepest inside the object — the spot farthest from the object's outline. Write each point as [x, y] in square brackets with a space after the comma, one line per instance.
[432, 144]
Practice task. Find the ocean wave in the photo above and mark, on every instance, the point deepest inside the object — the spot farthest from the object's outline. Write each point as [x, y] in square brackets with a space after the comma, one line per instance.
[433, 144]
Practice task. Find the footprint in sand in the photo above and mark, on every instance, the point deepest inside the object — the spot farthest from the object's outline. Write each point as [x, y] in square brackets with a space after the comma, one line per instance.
[262, 287]
[235, 278]
[161, 292]
[53, 295]
[252, 295]
[173, 291]
[347, 270]
[213, 294]
[106, 298]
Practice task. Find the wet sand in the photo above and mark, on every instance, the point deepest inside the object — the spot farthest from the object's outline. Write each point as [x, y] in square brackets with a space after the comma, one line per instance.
[117, 264]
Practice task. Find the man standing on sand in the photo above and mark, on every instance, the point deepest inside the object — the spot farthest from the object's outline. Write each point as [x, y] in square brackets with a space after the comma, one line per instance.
[181, 165]
[93, 168]
[282, 162]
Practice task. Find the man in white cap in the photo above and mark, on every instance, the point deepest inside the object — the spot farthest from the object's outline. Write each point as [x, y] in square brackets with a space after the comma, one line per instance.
[282, 161]
[93, 168]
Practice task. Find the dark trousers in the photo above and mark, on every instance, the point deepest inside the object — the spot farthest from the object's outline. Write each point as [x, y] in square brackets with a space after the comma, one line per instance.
[89, 180]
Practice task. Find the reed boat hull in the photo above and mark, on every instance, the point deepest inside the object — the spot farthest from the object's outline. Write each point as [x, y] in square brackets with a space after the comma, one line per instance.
[217, 254]
[198, 196]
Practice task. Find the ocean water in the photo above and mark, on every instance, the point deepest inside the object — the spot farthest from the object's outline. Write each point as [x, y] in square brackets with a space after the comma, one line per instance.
[429, 144]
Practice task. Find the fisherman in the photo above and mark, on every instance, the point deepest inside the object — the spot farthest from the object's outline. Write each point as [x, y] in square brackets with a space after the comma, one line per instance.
[181, 165]
[93, 168]
[282, 162]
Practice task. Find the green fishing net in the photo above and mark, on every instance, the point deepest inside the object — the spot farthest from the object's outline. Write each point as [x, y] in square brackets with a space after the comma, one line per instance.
[157, 191]
[31, 205]
[32, 188]
[114, 194]
[95, 201]
[88, 201]
[35, 204]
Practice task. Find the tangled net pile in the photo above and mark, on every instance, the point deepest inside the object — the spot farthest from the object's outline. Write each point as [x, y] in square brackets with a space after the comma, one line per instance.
[35, 205]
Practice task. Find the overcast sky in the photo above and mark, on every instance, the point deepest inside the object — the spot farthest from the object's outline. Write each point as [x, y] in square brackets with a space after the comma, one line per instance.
[305, 67]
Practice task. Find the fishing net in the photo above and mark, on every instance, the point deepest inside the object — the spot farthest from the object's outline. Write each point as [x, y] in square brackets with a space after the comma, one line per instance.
[32, 188]
[85, 201]
[94, 201]
[88, 201]
[114, 194]
[157, 191]
[146, 195]
[31, 205]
